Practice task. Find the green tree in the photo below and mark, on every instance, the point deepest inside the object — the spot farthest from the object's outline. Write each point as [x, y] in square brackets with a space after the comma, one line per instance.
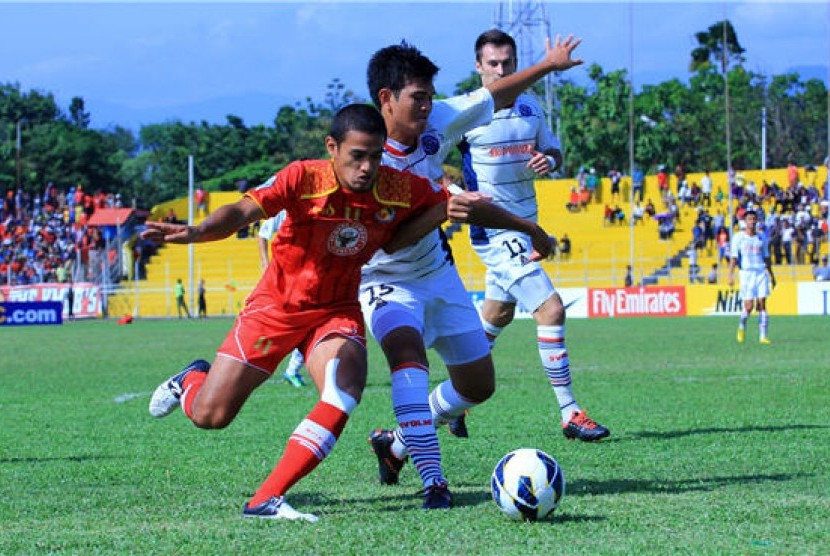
[717, 47]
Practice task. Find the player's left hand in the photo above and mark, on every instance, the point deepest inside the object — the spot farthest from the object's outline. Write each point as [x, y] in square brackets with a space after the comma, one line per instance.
[559, 55]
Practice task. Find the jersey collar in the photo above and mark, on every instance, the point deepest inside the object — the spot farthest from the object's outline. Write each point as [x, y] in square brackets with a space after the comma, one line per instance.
[396, 148]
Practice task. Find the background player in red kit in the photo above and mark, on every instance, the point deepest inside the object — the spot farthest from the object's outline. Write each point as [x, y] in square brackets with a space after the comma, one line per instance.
[339, 212]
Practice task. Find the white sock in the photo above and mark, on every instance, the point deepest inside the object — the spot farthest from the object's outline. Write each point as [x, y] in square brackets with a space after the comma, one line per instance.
[554, 356]
[446, 403]
[416, 431]
[763, 323]
[491, 330]
[744, 317]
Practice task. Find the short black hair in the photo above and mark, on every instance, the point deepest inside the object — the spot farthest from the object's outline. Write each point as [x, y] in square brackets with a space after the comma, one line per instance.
[751, 211]
[393, 66]
[496, 37]
[357, 117]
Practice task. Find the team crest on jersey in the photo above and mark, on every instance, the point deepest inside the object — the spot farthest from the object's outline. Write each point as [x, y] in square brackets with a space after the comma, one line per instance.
[525, 110]
[385, 214]
[430, 144]
[348, 238]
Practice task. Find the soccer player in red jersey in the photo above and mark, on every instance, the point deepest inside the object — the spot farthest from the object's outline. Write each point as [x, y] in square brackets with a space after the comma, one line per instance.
[339, 213]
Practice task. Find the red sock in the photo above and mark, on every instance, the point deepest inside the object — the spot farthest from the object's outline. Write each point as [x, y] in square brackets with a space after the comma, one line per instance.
[191, 385]
[310, 442]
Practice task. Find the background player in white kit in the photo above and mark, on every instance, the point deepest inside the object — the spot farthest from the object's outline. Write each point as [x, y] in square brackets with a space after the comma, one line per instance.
[750, 253]
[416, 299]
[502, 159]
[268, 230]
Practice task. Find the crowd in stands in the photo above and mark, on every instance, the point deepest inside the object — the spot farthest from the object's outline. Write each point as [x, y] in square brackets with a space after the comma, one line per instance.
[792, 218]
[44, 237]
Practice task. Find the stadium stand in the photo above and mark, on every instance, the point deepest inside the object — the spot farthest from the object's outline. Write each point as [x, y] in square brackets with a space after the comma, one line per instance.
[598, 258]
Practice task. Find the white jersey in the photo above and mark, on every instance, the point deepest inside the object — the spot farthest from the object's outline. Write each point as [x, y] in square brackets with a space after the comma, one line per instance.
[751, 251]
[272, 225]
[449, 120]
[495, 159]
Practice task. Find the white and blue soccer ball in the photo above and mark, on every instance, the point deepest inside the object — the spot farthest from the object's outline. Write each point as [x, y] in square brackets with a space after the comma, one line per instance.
[527, 484]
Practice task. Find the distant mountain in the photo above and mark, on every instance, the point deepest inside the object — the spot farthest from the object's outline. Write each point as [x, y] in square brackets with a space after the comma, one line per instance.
[253, 108]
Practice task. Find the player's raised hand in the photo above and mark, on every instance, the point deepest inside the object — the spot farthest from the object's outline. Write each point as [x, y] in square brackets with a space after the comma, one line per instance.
[558, 56]
[164, 232]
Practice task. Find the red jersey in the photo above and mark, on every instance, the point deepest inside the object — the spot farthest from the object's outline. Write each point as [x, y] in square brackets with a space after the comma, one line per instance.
[329, 231]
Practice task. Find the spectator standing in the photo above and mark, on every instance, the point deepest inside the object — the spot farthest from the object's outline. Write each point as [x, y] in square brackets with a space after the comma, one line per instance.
[70, 301]
[637, 183]
[706, 189]
[202, 199]
[180, 303]
[202, 300]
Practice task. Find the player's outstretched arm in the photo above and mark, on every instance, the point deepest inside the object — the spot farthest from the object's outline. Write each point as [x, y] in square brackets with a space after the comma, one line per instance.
[557, 58]
[411, 231]
[474, 208]
[220, 224]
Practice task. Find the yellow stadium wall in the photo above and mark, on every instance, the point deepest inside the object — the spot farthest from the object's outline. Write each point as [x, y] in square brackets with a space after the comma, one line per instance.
[708, 300]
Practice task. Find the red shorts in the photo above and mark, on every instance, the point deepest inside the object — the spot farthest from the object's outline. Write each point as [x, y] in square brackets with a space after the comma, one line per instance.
[263, 335]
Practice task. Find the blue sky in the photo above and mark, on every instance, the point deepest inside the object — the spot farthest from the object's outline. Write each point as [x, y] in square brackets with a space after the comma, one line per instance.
[148, 62]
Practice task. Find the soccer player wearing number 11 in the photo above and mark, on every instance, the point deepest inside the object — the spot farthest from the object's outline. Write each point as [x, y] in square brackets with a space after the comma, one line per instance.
[502, 159]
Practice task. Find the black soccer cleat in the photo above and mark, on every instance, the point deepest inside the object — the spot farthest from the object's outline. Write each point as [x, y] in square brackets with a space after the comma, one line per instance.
[584, 428]
[437, 497]
[388, 465]
[458, 426]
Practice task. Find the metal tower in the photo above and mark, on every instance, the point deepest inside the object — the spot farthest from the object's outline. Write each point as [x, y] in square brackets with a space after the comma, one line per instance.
[529, 26]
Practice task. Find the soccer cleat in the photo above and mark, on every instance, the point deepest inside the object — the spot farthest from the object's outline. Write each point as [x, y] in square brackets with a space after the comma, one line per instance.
[294, 380]
[277, 508]
[389, 466]
[740, 336]
[765, 341]
[437, 497]
[458, 426]
[167, 396]
[584, 428]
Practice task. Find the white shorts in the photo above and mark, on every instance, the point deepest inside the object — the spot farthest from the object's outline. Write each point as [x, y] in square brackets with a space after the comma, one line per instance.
[755, 284]
[511, 277]
[438, 306]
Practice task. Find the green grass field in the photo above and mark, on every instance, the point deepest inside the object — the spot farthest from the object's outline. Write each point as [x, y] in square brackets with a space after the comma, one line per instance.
[716, 448]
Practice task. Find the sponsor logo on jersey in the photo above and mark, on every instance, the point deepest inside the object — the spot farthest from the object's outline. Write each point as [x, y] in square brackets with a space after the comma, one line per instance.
[512, 150]
[385, 214]
[347, 239]
[430, 144]
[525, 110]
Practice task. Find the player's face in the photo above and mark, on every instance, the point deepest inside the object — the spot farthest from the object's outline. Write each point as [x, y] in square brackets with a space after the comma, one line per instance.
[496, 62]
[751, 221]
[406, 116]
[356, 159]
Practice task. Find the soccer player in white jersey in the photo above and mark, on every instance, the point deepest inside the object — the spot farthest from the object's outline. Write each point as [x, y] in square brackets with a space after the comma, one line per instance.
[415, 299]
[502, 159]
[750, 253]
[267, 231]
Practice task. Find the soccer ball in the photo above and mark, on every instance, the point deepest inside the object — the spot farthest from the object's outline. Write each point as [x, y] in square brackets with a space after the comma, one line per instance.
[527, 484]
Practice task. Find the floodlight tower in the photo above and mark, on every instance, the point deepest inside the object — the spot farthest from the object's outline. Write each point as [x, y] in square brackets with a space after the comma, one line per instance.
[528, 24]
